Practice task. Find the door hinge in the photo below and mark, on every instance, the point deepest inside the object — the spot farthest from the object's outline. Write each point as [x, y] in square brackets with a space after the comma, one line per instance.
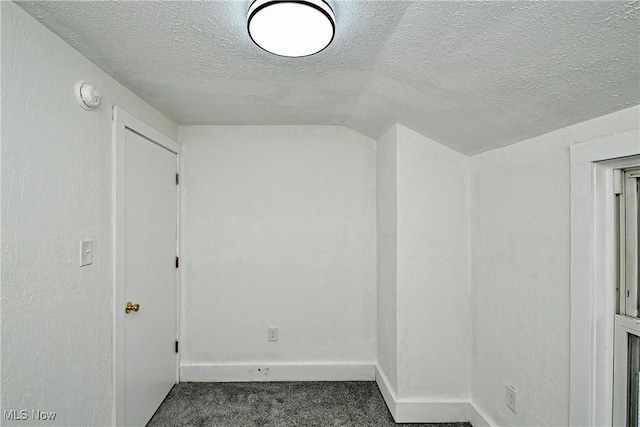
[177, 346]
[177, 262]
[177, 178]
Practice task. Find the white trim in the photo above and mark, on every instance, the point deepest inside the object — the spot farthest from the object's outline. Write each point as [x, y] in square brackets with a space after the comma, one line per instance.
[427, 411]
[122, 120]
[178, 254]
[387, 390]
[609, 147]
[118, 270]
[138, 126]
[246, 372]
[629, 245]
[592, 275]
[478, 418]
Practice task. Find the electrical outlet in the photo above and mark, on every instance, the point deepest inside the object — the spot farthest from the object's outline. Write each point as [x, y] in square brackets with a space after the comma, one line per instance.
[272, 334]
[511, 398]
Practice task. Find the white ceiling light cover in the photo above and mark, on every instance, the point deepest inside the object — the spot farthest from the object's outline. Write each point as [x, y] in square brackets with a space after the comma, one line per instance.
[291, 28]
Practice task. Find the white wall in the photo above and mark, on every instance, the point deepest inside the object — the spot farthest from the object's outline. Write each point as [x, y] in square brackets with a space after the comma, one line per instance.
[278, 230]
[387, 236]
[433, 273]
[56, 190]
[423, 278]
[520, 198]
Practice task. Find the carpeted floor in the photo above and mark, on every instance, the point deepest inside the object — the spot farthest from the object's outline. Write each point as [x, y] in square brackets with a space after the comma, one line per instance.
[281, 404]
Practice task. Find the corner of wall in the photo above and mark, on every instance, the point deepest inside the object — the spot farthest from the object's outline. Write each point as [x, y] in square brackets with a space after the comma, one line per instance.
[422, 411]
[478, 417]
[387, 390]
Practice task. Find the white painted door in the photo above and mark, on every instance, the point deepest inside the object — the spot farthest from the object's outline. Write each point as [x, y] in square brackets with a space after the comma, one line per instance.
[150, 277]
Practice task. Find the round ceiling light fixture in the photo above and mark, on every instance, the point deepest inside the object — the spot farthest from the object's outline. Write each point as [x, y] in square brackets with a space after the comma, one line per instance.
[291, 28]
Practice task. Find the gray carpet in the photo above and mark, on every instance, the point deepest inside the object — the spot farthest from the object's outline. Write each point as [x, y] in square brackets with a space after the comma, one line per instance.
[281, 404]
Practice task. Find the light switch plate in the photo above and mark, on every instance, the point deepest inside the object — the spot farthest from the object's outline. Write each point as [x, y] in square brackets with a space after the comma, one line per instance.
[86, 253]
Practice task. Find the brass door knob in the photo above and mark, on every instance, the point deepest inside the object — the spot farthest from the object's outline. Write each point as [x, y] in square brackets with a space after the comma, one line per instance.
[131, 307]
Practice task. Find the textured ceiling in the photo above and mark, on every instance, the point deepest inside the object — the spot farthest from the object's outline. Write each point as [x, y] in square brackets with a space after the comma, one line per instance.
[471, 75]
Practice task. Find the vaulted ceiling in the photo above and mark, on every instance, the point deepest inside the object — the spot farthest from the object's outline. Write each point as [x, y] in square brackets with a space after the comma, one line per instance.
[471, 75]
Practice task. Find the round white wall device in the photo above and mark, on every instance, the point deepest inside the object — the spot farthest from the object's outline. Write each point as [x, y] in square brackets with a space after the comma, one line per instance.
[88, 96]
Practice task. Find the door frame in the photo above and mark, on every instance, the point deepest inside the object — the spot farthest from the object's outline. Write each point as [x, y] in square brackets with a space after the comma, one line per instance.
[122, 121]
[593, 246]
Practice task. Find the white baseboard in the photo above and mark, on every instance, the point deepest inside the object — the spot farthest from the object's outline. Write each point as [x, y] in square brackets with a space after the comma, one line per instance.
[420, 411]
[479, 418]
[387, 390]
[209, 372]
[432, 412]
